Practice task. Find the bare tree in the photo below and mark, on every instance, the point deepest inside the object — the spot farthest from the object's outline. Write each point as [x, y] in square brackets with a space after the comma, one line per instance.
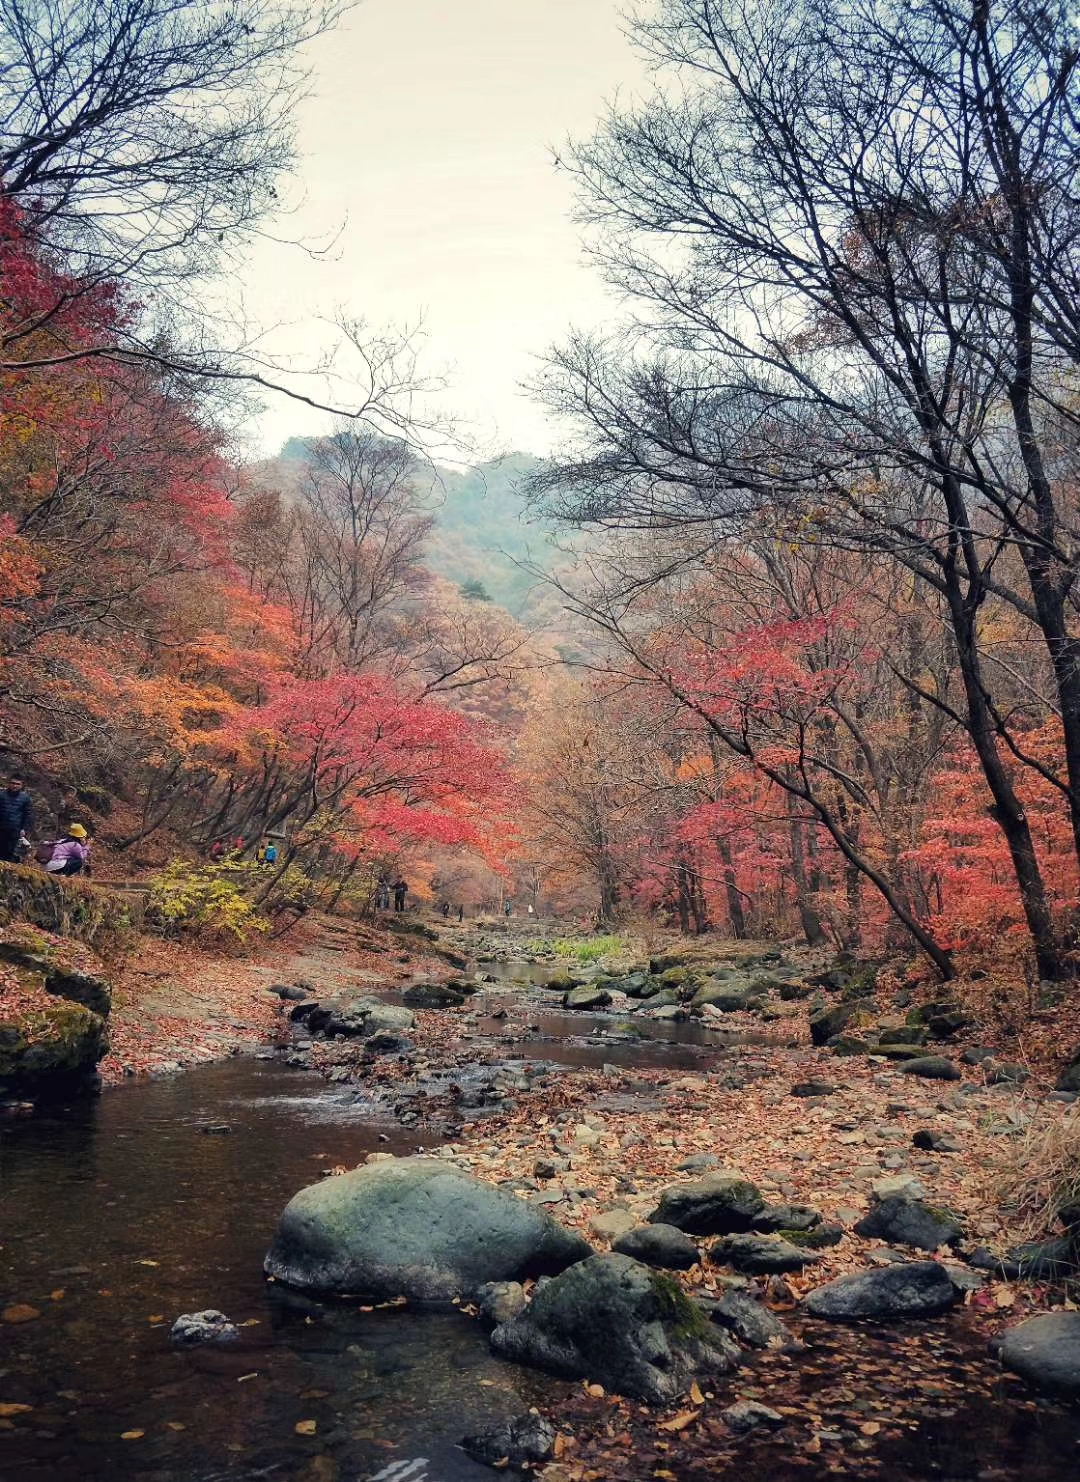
[856, 246]
[142, 138]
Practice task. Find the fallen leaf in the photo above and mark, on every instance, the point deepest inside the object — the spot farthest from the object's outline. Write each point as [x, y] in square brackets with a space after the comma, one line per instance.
[1004, 1296]
[870, 1427]
[596, 1390]
[696, 1397]
[57, 1295]
[12, 1409]
[176, 1425]
[19, 1312]
[253, 1375]
[148, 1263]
[132, 1435]
[679, 1422]
[305, 1427]
[156, 1317]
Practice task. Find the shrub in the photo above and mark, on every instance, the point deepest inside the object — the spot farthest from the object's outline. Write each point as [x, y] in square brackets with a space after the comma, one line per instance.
[207, 900]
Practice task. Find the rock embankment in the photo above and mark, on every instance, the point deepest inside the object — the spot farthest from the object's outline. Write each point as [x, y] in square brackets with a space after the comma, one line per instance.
[54, 1002]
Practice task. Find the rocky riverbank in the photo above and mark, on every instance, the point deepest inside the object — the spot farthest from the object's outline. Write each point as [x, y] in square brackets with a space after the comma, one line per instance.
[867, 1161]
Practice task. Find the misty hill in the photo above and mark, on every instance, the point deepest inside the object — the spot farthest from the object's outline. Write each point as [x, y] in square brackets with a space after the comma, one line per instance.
[482, 526]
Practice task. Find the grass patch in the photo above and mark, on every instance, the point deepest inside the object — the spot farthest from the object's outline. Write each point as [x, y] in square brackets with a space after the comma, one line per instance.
[1038, 1175]
[587, 949]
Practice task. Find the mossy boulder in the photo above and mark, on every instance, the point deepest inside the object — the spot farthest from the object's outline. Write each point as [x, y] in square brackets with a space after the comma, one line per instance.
[414, 1227]
[827, 1022]
[612, 1320]
[51, 1050]
[728, 997]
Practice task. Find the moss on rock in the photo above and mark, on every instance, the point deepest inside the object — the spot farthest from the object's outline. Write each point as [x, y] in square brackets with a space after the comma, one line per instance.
[52, 1049]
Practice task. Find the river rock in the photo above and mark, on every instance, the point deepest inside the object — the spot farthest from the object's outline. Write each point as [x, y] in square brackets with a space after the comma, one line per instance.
[729, 998]
[749, 1415]
[612, 1320]
[291, 992]
[829, 1021]
[658, 1245]
[1045, 1351]
[526, 1438]
[777, 1217]
[433, 996]
[935, 1142]
[910, 1222]
[587, 997]
[750, 1321]
[932, 1068]
[760, 1255]
[414, 1227]
[499, 1301]
[722, 1203]
[210, 1326]
[813, 1088]
[1069, 1079]
[611, 1224]
[910, 1289]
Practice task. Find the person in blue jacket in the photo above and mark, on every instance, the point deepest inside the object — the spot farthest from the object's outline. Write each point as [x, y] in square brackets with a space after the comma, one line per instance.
[16, 818]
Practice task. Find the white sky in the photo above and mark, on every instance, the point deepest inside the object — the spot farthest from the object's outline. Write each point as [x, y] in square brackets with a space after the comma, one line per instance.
[431, 128]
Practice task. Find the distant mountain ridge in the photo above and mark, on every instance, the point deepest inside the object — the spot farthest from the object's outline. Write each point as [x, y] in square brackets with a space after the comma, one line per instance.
[483, 525]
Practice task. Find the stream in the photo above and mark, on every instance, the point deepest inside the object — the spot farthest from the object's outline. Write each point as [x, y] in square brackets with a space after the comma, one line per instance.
[117, 1215]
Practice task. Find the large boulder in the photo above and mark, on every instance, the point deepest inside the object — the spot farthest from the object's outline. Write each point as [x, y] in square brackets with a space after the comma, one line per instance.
[414, 1227]
[907, 1289]
[1045, 1351]
[723, 1203]
[50, 1050]
[612, 1320]
[357, 1017]
[910, 1222]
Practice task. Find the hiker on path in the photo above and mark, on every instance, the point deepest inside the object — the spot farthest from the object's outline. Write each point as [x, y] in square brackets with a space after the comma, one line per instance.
[270, 853]
[506, 908]
[461, 913]
[71, 854]
[446, 910]
[401, 890]
[16, 818]
[382, 894]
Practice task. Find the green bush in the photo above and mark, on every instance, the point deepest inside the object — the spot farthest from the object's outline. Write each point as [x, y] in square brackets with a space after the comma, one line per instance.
[207, 900]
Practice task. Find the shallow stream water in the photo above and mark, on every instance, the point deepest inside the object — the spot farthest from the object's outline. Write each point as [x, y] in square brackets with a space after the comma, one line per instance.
[118, 1215]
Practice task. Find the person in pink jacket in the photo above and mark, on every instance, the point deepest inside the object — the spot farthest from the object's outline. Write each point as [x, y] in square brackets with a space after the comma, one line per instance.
[71, 854]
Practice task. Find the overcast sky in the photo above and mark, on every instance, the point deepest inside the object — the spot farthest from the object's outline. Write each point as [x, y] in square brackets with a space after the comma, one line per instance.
[430, 129]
